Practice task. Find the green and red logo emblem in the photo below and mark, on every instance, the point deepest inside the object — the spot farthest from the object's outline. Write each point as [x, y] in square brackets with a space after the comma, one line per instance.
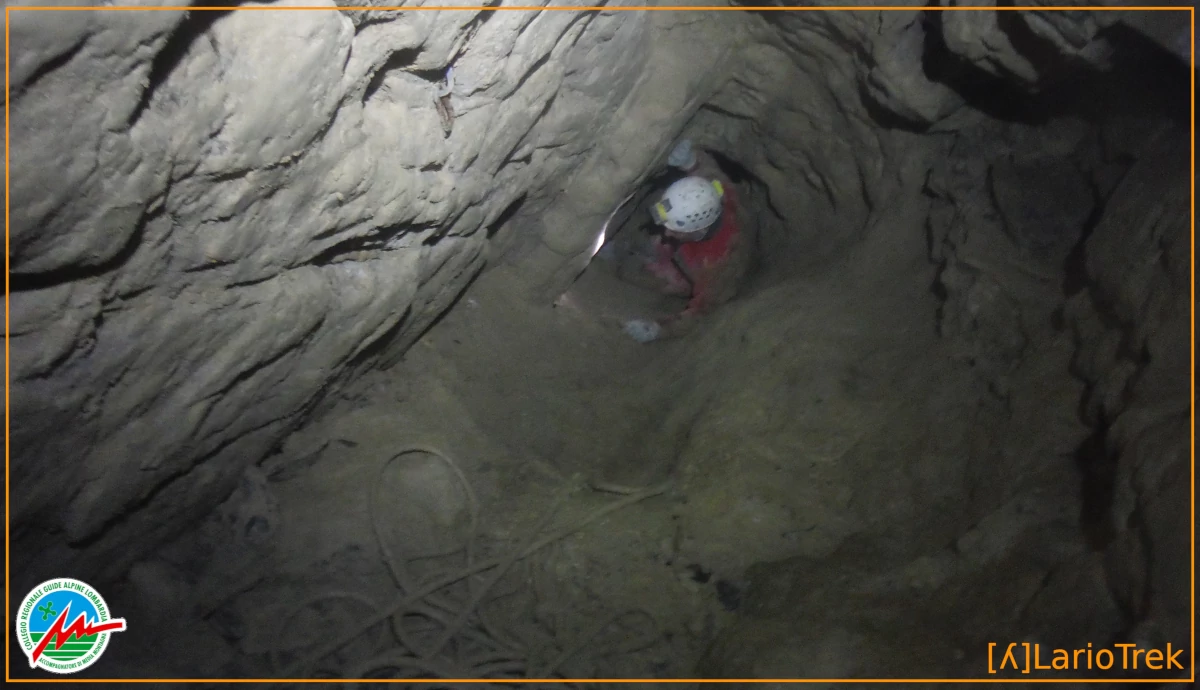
[64, 626]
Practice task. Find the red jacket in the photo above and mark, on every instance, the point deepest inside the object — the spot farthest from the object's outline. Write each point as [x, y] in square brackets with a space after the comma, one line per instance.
[710, 270]
[706, 260]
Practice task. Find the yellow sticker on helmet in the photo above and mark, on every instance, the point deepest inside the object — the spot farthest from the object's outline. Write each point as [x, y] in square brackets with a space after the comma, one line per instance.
[660, 213]
[717, 186]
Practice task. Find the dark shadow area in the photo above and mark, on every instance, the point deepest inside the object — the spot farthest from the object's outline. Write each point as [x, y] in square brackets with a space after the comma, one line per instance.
[629, 219]
[1097, 467]
[1075, 266]
[376, 240]
[739, 174]
[19, 282]
[886, 118]
[1145, 78]
[377, 347]
[736, 172]
[400, 59]
[1038, 50]
[506, 215]
[992, 95]
[197, 23]
[484, 15]
[47, 68]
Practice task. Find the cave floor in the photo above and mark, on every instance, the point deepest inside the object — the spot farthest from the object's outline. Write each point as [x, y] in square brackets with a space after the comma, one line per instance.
[625, 490]
[537, 408]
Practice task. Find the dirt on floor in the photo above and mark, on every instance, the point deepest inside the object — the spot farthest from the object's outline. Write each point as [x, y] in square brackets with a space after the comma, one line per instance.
[541, 496]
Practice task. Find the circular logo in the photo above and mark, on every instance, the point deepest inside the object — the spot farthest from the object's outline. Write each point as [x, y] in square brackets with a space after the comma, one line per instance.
[64, 625]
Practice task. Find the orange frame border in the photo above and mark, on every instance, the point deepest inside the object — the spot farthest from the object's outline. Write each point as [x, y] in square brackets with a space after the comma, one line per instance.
[9, 10]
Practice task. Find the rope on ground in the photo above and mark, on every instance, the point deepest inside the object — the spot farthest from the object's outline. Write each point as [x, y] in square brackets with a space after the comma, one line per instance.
[501, 657]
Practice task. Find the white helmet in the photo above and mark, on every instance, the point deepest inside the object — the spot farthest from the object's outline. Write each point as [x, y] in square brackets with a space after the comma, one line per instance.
[690, 205]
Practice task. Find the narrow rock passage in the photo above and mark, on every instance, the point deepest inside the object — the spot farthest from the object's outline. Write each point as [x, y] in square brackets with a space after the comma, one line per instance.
[315, 371]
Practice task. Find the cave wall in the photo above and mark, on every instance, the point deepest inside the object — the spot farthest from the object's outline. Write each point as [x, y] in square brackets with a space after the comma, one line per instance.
[1132, 326]
[196, 260]
[1078, 223]
[1058, 223]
